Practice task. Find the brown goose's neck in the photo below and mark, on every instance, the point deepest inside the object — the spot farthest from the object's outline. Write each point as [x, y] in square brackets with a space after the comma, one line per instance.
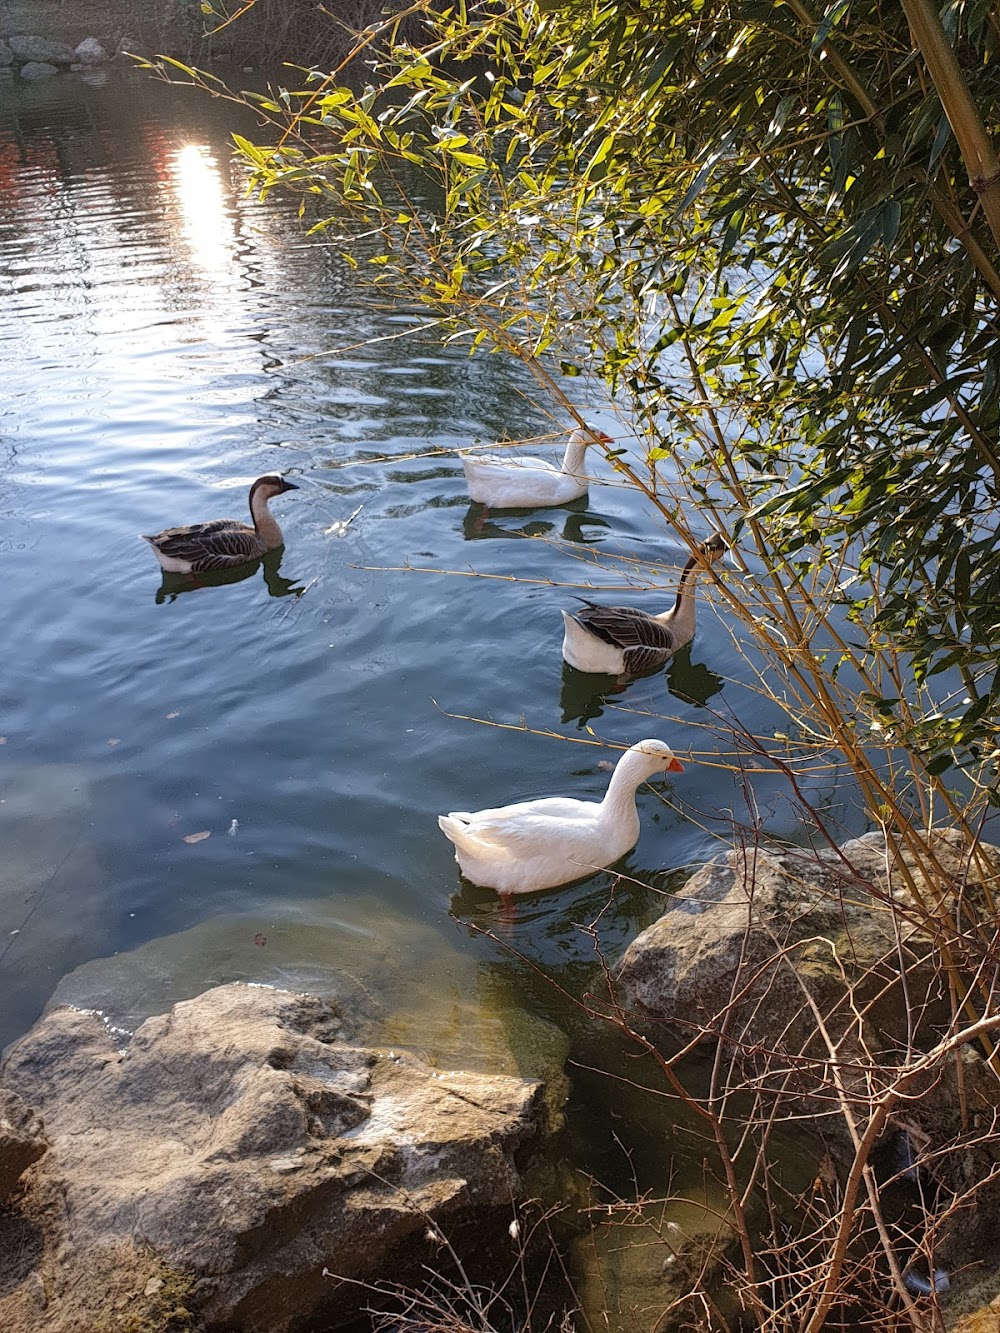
[265, 524]
[681, 615]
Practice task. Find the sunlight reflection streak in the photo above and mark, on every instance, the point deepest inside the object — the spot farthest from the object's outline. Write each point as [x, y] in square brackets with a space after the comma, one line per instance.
[207, 224]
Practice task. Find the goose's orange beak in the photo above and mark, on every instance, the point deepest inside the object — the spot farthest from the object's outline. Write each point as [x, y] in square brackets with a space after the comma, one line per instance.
[675, 766]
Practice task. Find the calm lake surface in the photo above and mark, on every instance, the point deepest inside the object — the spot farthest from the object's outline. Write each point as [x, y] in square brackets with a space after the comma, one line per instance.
[164, 340]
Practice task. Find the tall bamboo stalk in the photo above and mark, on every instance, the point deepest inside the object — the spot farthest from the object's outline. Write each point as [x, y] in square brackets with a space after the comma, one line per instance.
[963, 115]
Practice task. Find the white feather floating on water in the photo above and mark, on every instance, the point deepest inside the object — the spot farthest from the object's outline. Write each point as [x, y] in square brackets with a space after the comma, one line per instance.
[342, 524]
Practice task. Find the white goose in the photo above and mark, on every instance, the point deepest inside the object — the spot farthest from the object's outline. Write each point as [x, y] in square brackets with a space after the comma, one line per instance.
[622, 641]
[500, 482]
[223, 543]
[539, 844]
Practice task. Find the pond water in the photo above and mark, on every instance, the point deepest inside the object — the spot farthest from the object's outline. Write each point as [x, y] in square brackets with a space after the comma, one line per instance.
[165, 340]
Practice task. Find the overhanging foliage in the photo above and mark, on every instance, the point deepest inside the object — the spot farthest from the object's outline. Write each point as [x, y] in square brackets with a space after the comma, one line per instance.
[752, 222]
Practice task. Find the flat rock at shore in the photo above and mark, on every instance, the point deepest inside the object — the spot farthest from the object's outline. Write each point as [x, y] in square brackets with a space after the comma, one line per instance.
[236, 1149]
[399, 981]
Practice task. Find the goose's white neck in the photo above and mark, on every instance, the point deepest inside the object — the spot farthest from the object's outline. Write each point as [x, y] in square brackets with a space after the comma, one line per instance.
[631, 769]
[681, 616]
[576, 451]
[263, 520]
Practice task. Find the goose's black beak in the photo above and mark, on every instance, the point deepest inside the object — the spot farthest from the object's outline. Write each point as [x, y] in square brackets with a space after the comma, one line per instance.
[288, 485]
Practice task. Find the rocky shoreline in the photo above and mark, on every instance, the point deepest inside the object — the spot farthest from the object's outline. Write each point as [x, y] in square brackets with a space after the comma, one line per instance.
[242, 1148]
[268, 33]
[41, 58]
[169, 26]
[247, 1160]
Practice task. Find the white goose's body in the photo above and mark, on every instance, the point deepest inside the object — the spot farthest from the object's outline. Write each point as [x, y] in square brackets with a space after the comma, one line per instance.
[539, 844]
[223, 543]
[503, 482]
[622, 641]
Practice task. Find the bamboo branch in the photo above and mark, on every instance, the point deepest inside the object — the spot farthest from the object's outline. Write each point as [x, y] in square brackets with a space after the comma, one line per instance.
[962, 112]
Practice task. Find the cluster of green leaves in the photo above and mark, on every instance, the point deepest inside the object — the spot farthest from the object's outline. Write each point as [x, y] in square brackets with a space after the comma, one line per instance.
[752, 222]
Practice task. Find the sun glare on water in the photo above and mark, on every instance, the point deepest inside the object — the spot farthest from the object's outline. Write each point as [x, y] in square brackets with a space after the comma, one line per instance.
[206, 221]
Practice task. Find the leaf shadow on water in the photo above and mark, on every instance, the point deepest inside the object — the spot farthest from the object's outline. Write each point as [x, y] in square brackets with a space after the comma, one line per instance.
[174, 585]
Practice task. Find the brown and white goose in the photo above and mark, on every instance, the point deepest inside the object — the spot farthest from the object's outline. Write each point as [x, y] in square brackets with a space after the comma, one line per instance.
[223, 543]
[622, 641]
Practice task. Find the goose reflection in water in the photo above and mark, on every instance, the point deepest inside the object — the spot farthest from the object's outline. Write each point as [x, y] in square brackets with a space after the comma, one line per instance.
[547, 922]
[173, 585]
[479, 526]
[584, 695]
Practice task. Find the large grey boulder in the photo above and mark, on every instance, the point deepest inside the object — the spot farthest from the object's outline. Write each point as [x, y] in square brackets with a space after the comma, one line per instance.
[38, 69]
[239, 1141]
[757, 937]
[765, 948]
[40, 49]
[90, 52]
[22, 1141]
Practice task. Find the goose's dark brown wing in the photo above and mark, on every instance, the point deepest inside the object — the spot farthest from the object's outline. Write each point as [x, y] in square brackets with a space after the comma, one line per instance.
[221, 544]
[644, 641]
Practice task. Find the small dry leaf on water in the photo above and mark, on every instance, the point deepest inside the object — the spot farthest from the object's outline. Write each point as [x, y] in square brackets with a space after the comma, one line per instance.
[260, 940]
[198, 837]
[170, 716]
[114, 740]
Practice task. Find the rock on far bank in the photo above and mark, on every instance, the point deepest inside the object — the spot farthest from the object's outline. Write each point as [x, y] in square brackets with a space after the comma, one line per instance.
[41, 50]
[244, 1146]
[38, 69]
[6, 55]
[90, 52]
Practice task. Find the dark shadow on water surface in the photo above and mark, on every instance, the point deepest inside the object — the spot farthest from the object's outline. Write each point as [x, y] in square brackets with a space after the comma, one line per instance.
[584, 695]
[693, 682]
[173, 585]
[480, 523]
[548, 926]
